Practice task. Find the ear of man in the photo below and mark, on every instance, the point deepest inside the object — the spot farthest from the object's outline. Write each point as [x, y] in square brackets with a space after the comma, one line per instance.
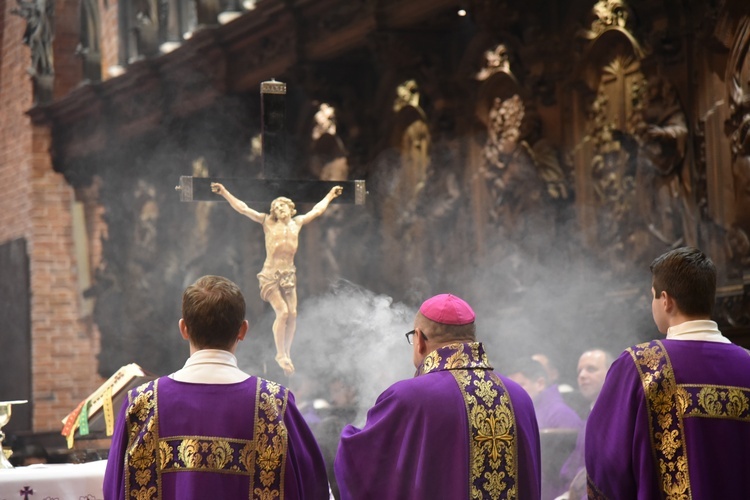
[244, 328]
[421, 342]
[183, 329]
[668, 303]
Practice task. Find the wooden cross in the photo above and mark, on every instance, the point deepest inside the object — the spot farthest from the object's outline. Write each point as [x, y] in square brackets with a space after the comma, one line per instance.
[275, 166]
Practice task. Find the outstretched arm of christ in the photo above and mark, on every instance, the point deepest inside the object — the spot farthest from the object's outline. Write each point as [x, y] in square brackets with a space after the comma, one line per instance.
[320, 207]
[236, 204]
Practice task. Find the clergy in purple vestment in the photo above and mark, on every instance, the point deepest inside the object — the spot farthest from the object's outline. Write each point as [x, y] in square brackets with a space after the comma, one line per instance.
[551, 410]
[209, 430]
[457, 430]
[592, 370]
[673, 417]
[559, 424]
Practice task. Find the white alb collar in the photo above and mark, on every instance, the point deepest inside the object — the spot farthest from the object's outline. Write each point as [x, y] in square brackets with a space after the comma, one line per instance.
[212, 356]
[210, 366]
[702, 329]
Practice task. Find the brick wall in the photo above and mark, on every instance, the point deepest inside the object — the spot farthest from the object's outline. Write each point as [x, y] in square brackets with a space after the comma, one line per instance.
[68, 65]
[35, 203]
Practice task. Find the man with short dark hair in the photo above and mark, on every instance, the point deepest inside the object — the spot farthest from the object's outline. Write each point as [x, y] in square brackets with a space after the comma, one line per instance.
[673, 417]
[210, 430]
[457, 430]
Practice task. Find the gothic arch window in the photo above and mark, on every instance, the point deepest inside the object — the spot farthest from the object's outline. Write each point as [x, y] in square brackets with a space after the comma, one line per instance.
[150, 27]
[88, 48]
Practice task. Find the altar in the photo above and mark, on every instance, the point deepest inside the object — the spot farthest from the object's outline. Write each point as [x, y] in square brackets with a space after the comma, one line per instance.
[60, 481]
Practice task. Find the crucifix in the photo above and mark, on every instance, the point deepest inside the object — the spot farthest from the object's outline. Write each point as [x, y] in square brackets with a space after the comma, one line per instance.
[281, 225]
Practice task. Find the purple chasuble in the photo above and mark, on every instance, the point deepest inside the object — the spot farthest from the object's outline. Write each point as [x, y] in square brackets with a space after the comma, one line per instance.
[455, 431]
[672, 421]
[180, 440]
[553, 413]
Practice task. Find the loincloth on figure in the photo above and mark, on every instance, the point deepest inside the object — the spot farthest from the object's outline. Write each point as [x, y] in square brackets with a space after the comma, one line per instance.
[283, 280]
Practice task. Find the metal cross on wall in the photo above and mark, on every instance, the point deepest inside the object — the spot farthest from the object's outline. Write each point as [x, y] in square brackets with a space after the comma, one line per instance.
[275, 166]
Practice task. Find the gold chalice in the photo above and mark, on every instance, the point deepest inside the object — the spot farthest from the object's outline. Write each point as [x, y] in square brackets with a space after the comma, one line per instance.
[5, 407]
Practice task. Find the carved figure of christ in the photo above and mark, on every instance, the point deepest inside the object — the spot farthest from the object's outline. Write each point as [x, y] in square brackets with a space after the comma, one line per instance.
[278, 279]
[278, 276]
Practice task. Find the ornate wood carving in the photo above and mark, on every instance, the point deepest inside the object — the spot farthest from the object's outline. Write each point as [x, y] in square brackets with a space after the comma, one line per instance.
[39, 35]
[606, 138]
[738, 81]
[608, 14]
[506, 102]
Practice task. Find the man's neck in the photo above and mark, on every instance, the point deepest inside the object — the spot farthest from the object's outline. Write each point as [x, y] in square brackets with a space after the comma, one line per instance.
[434, 346]
[679, 318]
[194, 349]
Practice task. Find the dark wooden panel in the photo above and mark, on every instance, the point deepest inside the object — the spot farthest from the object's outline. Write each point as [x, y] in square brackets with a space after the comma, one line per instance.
[15, 332]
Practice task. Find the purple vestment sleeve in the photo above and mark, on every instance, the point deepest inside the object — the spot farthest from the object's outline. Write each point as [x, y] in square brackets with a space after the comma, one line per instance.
[615, 429]
[553, 413]
[575, 461]
[114, 486]
[689, 434]
[306, 476]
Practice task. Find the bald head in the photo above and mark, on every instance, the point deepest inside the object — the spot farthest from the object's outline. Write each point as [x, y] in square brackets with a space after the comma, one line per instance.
[592, 369]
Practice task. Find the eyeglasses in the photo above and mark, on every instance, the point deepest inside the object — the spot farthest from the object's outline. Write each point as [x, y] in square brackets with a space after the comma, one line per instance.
[409, 335]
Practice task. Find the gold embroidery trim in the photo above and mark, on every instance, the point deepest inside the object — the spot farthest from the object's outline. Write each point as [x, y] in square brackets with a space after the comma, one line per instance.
[271, 441]
[664, 399]
[715, 401]
[141, 453]
[492, 429]
[211, 454]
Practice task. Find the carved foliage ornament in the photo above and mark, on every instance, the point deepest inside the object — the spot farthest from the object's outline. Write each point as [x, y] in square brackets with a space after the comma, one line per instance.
[325, 121]
[407, 94]
[608, 14]
[503, 130]
[496, 60]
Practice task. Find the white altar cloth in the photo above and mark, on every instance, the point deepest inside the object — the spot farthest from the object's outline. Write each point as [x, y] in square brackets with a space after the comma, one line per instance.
[53, 482]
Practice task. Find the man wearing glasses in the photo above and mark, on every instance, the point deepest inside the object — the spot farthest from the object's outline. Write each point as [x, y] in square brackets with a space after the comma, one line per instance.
[457, 430]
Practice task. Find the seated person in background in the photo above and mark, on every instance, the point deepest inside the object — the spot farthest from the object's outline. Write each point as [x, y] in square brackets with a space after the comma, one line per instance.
[592, 370]
[551, 413]
[553, 374]
[551, 410]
